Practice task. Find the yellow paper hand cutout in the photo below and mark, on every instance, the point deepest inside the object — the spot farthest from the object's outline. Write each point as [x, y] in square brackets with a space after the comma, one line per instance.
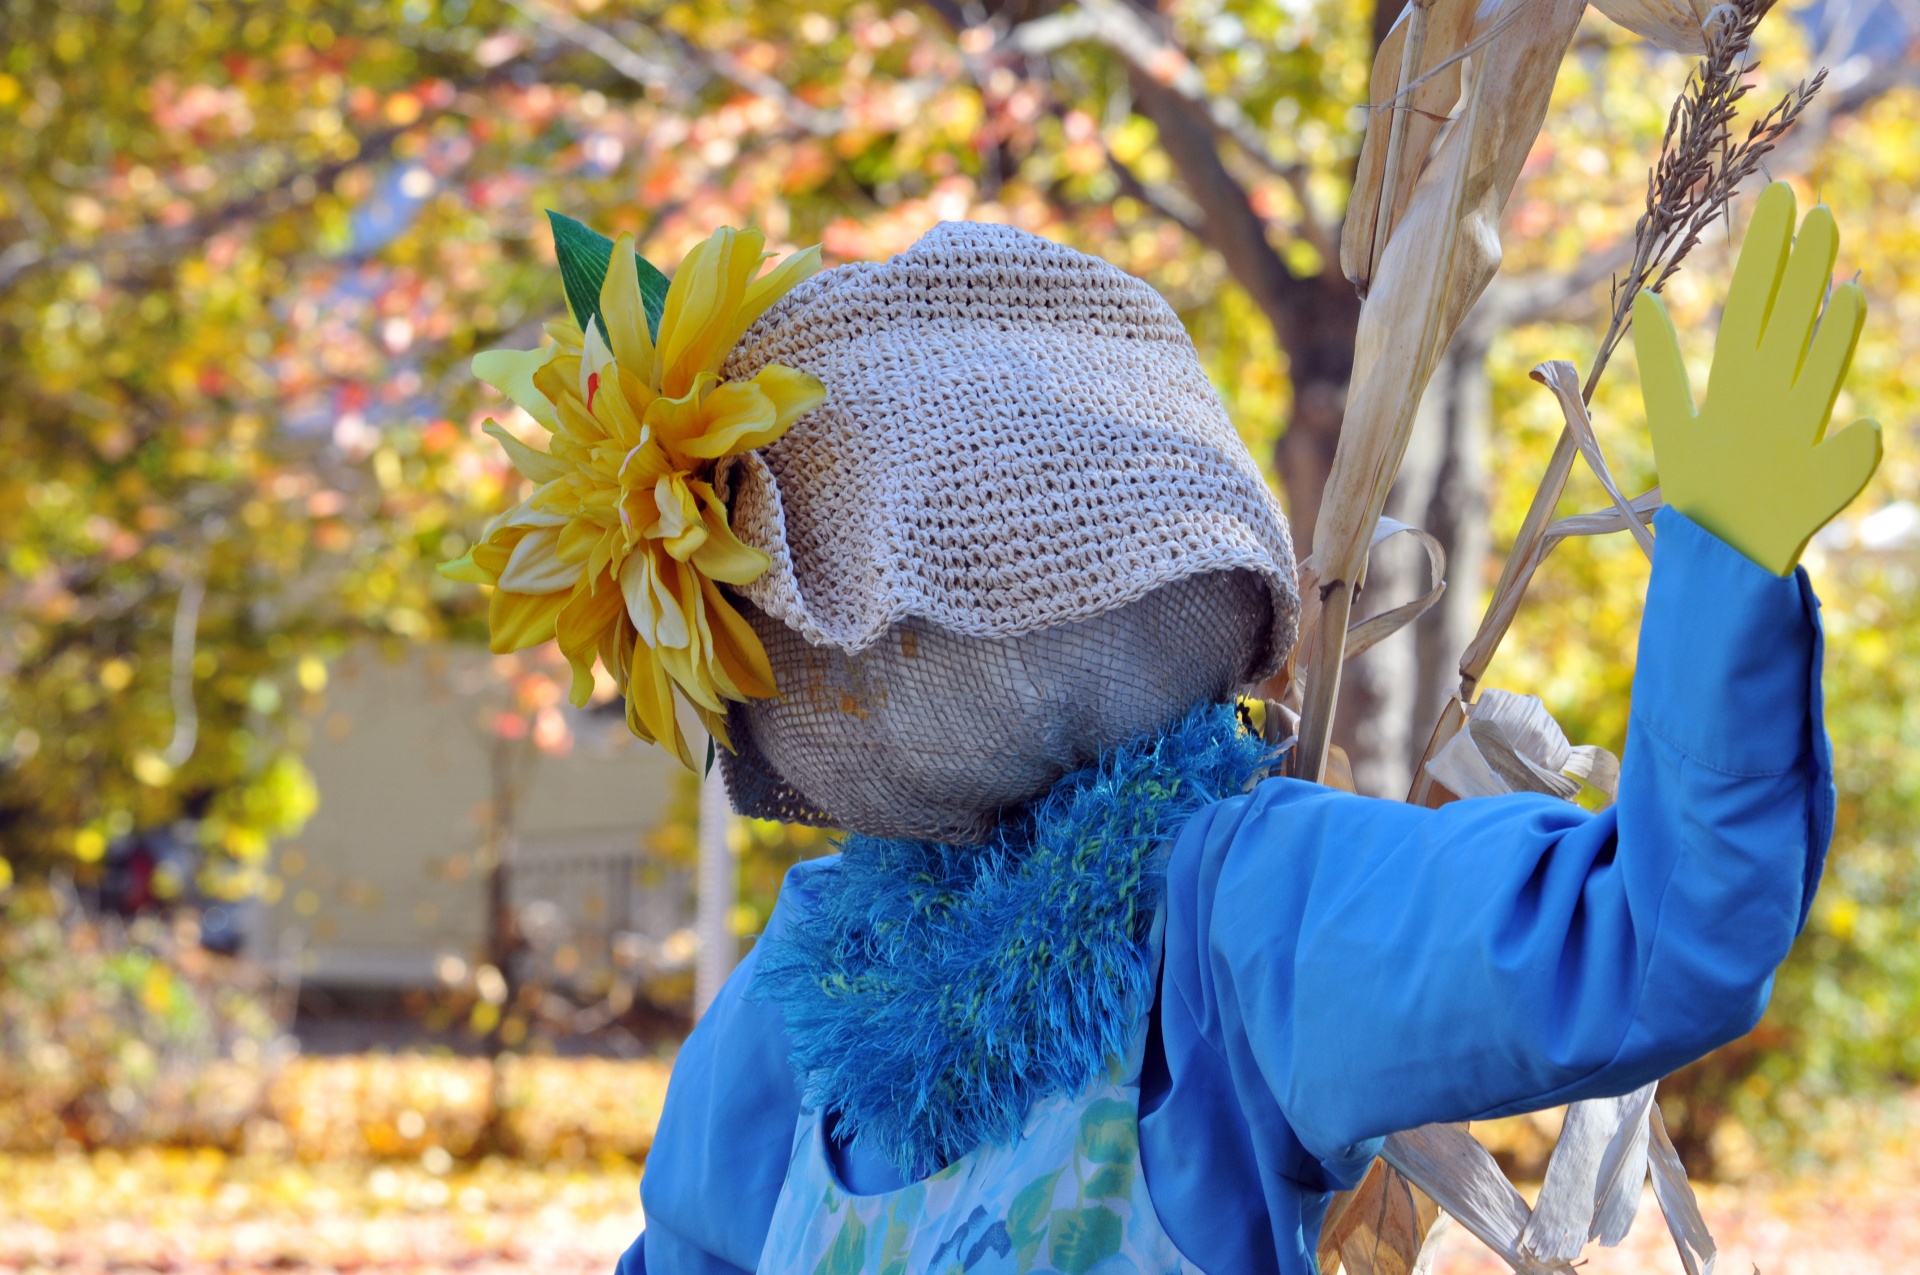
[1753, 465]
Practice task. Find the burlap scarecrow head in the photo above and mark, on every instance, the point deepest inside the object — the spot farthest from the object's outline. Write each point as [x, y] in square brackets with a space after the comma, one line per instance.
[1018, 530]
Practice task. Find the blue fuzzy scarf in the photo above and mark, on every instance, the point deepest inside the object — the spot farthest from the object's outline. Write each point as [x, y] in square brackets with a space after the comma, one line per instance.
[934, 993]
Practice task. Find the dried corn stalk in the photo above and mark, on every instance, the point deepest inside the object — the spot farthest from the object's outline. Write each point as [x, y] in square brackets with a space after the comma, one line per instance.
[1438, 256]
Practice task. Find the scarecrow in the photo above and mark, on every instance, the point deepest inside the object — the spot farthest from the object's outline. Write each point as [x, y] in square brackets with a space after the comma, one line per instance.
[960, 554]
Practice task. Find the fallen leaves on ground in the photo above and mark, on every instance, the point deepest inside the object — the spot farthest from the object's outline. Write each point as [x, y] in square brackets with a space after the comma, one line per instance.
[538, 1109]
[194, 1211]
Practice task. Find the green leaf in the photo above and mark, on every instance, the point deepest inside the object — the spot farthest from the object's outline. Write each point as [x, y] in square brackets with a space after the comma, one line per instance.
[1112, 1182]
[848, 1256]
[1027, 1216]
[1080, 1239]
[1108, 1133]
[584, 253]
[893, 1252]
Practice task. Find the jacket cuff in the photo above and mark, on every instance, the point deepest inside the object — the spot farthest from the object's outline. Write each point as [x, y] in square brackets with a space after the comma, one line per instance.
[1729, 669]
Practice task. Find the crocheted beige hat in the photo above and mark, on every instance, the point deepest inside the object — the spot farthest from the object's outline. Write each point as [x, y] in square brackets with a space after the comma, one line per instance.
[976, 538]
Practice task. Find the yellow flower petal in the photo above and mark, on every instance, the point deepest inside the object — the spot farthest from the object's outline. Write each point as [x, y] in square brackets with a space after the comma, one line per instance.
[737, 646]
[616, 648]
[491, 555]
[650, 712]
[579, 539]
[701, 303]
[705, 683]
[674, 420]
[766, 290]
[511, 372]
[625, 314]
[594, 607]
[466, 570]
[535, 464]
[559, 381]
[516, 621]
[595, 359]
[613, 409]
[723, 557]
[638, 390]
[526, 514]
[535, 566]
[671, 631]
[794, 393]
[678, 527]
[737, 418]
[504, 534]
[690, 676]
[621, 551]
[716, 724]
[651, 602]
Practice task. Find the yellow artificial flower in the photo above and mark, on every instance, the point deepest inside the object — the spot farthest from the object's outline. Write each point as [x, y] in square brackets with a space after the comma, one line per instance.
[620, 550]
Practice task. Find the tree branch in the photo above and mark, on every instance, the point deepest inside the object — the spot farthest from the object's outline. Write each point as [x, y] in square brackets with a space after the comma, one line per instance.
[1230, 227]
[628, 62]
[1171, 204]
[1155, 58]
[25, 256]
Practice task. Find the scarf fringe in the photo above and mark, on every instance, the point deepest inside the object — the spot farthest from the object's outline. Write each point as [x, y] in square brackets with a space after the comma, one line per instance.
[935, 992]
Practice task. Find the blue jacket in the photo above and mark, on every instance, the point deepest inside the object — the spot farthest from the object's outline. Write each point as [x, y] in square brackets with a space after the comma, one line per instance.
[1338, 968]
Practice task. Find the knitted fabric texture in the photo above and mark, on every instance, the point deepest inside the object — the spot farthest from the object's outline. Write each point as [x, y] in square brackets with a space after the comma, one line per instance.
[932, 994]
[1015, 436]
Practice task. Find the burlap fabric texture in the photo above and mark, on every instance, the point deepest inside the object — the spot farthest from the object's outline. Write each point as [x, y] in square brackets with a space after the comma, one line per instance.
[1020, 529]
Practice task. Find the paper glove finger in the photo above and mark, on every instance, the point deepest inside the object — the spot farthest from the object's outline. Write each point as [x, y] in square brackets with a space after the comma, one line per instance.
[1803, 286]
[1664, 387]
[1828, 359]
[1756, 278]
[1841, 467]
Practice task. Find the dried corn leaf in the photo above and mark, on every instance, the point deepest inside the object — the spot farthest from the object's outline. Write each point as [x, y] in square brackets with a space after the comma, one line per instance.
[1370, 632]
[1464, 1179]
[1515, 770]
[1677, 1204]
[1529, 550]
[1339, 771]
[1425, 792]
[1592, 1188]
[1510, 744]
[1445, 28]
[1378, 1228]
[1601, 522]
[1595, 767]
[1679, 25]
[1563, 379]
[1524, 719]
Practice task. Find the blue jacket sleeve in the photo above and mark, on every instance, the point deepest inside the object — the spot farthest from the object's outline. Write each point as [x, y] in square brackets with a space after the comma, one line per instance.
[720, 1154]
[1358, 966]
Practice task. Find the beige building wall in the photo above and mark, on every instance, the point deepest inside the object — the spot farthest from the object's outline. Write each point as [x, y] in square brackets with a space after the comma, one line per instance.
[387, 878]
